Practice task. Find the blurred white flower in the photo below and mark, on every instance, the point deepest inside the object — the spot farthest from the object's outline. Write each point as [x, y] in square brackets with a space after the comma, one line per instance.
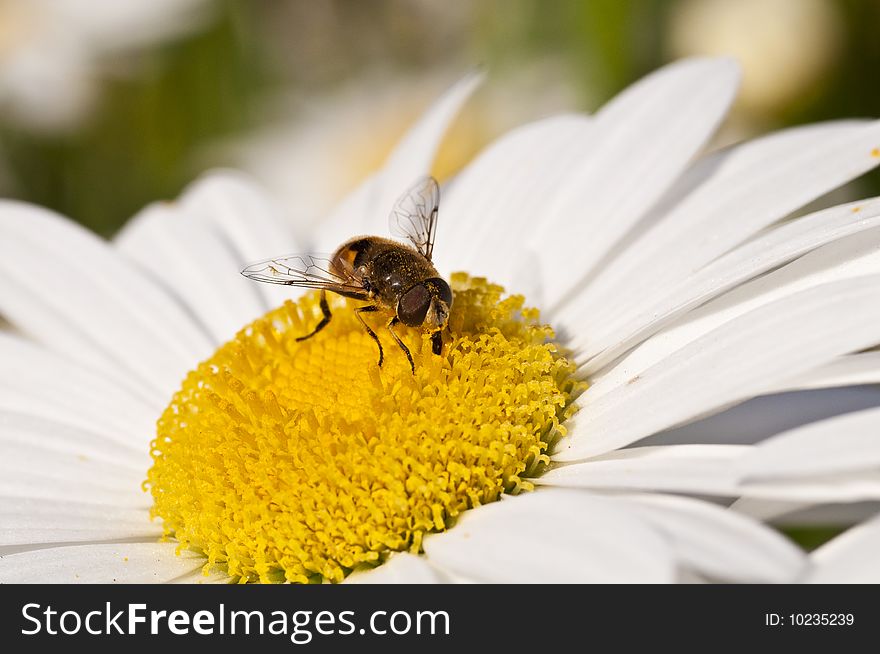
[325, 145]
[53, 51]
[784, 46]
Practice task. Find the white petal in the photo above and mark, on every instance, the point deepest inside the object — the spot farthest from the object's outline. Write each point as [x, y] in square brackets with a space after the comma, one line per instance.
[32, 521]
[39, 382]
[796, 514]
[845, 443]
[366, 209]
[188, 255]
[30, 484]
[56, 467]
[402, 568]
[722, 201]
[720, 543]
[766, 510]
[850, 257]
[49, 437]
[851, 558]
[552, 536]
[59, 279]
[848, 370]
[124, 563]
[348, 214]
[761, 417]
[249, 219]
[252, 224]
[44, 322]
[700, 469]
[42, 459]
[414, 154]
[642, 140]
[765, 252]
[740, 359]
[498, 196]
[817, 489]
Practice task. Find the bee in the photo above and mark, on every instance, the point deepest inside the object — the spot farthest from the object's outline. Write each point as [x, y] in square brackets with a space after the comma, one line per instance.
[396, 279]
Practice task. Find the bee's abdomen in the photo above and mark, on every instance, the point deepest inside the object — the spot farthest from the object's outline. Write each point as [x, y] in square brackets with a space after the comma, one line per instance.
[385, 267]
[355, 253]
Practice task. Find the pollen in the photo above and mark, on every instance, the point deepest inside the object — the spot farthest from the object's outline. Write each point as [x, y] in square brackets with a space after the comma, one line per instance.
[301, 461]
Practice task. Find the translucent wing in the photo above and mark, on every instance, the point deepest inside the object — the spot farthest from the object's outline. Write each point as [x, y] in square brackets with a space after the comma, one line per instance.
[415, 215]
[304, 270]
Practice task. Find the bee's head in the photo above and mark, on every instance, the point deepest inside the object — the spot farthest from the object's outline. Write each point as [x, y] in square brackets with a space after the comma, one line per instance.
[426, 304]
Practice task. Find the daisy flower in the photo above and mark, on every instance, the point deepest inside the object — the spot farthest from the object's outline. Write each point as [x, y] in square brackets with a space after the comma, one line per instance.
[670, 286]
[51, 50]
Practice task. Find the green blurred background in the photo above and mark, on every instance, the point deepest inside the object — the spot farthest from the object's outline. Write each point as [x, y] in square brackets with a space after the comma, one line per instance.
[160, 110]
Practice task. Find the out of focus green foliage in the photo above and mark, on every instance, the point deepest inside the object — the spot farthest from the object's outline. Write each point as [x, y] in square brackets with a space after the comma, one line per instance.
[811, 538]
[137, 145]
[143, 139]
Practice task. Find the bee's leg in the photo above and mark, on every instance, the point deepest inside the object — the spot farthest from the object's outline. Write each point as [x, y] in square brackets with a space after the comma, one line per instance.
[436, 342]
[368, 309]
[325, 309]
[403, 347]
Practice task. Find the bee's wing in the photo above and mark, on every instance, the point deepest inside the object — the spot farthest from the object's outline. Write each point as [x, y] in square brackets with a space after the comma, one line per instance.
[415, 215]
[304, 270]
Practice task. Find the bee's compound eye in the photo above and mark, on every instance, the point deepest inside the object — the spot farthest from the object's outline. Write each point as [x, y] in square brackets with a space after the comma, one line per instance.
[441, 288]
[413, 305]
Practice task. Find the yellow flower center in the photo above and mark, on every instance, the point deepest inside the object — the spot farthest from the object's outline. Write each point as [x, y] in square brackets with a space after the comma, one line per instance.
[299, 461]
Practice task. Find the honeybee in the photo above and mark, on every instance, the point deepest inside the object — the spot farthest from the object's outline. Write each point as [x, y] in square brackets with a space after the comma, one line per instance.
[396, 279]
